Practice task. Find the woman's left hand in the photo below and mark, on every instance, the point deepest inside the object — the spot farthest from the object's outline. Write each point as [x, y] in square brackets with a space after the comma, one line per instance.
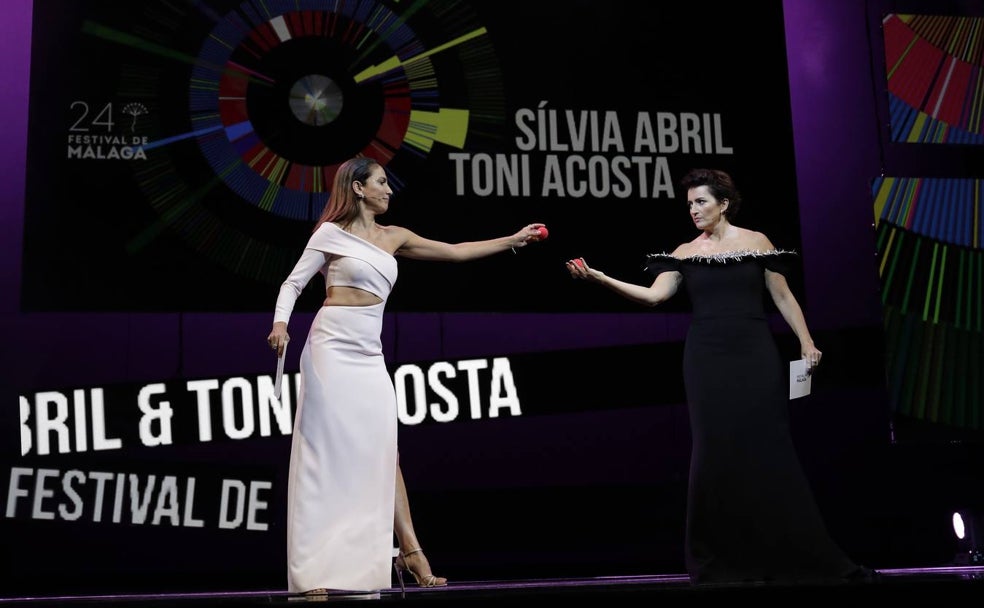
[530, 232]
[812, 356]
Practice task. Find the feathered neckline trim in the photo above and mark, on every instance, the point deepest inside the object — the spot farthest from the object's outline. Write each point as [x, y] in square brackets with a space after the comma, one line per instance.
[725, 257]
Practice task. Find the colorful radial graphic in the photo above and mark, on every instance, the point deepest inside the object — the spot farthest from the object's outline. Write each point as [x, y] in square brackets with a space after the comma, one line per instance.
[931, 264]
[935, 71]
[287, 90]
[279, 93]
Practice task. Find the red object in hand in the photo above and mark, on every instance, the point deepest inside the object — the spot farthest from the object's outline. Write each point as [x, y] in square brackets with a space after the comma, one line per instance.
[579, 263]
[543, 232]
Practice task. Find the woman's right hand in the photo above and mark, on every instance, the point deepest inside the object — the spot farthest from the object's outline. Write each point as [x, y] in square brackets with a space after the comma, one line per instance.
[278, 338]
[579, 269]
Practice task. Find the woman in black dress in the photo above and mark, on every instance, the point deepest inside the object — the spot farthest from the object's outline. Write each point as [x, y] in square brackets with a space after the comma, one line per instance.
[751, 514]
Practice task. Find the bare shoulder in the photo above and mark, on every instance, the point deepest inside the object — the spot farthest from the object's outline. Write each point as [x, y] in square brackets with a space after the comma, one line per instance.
[390, 230]
[755, 240]
[684, 250]
[394, 237]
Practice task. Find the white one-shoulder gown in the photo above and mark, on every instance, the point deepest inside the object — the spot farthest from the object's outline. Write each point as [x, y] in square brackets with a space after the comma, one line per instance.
[341, 485]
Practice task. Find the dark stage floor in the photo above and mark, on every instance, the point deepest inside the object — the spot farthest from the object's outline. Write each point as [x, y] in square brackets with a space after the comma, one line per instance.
[941, 586]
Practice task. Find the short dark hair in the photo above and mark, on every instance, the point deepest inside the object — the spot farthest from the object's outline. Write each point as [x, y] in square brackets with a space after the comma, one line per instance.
[721, 185]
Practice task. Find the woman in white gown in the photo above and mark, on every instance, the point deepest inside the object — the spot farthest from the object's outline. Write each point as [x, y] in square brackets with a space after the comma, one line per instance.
[343, 463]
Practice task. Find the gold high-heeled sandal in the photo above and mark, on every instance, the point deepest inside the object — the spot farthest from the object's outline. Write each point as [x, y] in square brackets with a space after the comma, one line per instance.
[423, 580]
[316, 595]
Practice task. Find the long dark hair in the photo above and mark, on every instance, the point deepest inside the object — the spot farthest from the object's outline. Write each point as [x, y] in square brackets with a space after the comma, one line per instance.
[343, 204]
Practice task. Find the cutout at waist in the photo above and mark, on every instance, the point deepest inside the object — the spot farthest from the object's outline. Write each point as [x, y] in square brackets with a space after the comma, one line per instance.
[340, 295]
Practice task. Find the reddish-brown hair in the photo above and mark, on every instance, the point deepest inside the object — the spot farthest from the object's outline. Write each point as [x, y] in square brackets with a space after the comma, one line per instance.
[343, 204]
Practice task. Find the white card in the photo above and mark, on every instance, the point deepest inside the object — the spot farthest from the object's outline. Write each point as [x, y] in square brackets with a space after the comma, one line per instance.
[280, 373]
[800, 378]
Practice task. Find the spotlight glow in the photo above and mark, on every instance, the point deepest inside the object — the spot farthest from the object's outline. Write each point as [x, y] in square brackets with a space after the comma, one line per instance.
[958, 525]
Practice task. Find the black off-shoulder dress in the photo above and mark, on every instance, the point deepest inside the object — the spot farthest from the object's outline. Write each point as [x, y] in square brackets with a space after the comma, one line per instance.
[751, 513]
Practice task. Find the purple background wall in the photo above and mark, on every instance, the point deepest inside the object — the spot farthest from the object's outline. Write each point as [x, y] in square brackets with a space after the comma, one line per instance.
[874, 494]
